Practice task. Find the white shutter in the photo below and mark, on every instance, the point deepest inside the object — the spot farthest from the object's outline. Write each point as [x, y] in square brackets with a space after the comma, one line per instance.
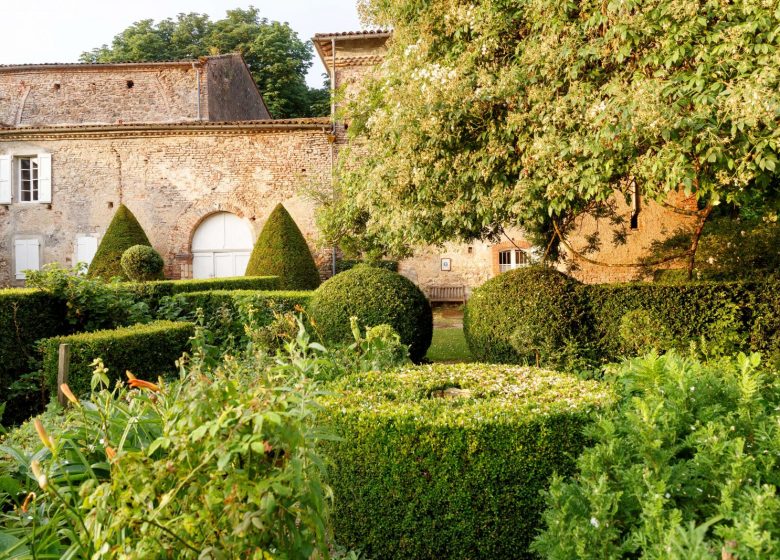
[44, 177]
[86, 247]
[27, 256]
[5, 179]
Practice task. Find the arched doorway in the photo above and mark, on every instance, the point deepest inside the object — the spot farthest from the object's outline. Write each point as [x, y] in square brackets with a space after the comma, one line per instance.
[221, 246]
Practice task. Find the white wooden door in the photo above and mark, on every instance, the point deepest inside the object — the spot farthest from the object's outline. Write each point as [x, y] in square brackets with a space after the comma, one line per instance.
[221, 246]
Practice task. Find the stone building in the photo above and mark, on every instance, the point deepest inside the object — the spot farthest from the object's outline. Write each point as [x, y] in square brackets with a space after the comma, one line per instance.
[190, 148]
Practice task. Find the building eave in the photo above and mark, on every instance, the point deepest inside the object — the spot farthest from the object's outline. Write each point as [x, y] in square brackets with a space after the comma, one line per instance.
[163, 129]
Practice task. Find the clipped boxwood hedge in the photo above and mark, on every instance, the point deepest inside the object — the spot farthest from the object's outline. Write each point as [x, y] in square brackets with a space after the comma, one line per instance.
[147, 350]
[449, 461]
[224, 309]
[682, 313]
[25, 317]
[153, 292]
[522, 315]
[346, 264]
[375, 296]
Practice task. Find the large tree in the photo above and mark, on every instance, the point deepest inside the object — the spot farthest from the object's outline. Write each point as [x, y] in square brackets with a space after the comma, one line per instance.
[277, 58]
[528, 113]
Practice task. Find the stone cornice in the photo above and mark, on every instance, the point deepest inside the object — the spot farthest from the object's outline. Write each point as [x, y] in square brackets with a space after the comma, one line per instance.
[163, 129]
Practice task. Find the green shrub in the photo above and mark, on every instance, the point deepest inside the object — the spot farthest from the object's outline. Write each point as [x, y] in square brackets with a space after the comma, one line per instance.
[685, 466]
[91, 303]
[147, 350]
[142, 263]
[221, 463]
[282, 251]
[527, 315]
[721, 317]
[226, 312]
[345, 264]
[448, 461]
[152, 293]
[25, 317]
[123, 232]
[375, 296]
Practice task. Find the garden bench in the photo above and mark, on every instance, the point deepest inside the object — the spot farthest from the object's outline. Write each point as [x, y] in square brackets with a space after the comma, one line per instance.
[447, 294]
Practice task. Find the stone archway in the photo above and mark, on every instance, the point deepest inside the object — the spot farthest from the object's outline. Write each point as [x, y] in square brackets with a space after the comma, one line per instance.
[221, 245]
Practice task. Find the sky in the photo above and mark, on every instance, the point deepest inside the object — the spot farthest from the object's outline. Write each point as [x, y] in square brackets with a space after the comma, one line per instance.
[60, 30]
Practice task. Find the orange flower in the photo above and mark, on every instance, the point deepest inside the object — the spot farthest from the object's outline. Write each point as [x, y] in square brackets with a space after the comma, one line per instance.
[130, 376]
[45, 439]
[69, 394]
[38, 474]
[110, 453]
[141, 384]
[26, 504]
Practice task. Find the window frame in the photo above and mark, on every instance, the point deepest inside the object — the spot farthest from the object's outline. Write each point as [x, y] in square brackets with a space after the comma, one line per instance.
[34, 187]
[514, 261]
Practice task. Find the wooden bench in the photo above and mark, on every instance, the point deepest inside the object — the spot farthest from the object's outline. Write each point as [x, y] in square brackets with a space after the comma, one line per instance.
[446, 294]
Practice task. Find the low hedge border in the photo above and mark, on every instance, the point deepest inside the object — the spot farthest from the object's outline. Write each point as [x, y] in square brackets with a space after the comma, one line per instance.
[152, 292]
[449, 461]
[225, 309]
[25, 317]
[148, 351]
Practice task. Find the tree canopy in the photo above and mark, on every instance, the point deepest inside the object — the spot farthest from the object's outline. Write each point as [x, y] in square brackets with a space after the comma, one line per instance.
[527, 113]
[277, 58]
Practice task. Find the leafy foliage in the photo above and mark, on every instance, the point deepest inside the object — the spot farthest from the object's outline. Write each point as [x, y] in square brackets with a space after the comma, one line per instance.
[277, 58]
[25, 316]
[282, 251]
[492, 114]
[346, 264]
[528, 315]
[91, 303]
[150, 350]
[684, 467]
[221, 463]
[447, 461]
[123, 232]
[228, 313]
[375, 296]
[142, 263]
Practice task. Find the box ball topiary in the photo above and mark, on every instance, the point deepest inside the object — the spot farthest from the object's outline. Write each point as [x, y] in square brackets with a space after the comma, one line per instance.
[375, 296]
[450, 460]
[524, 316]
[282, 251]
[142, 263]
[123, 232]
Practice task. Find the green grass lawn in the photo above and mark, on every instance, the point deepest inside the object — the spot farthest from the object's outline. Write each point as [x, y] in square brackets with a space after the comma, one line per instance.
[449, 345]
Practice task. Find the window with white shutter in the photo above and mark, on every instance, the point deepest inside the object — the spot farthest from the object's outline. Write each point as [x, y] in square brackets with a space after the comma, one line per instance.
[26, 256]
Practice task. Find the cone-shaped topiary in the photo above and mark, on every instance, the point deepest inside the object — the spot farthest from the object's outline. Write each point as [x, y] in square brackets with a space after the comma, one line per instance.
[123, 232]
[282, 251]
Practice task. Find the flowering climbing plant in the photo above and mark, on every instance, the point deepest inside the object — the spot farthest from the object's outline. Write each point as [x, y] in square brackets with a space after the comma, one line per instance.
[495, 113]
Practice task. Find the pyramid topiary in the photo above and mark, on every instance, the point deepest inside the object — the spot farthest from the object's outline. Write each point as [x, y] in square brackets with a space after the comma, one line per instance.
[282, 251]
[123, 232]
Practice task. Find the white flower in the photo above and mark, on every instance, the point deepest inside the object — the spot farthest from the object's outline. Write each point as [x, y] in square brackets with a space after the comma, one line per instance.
[594, 522]
[693, 388]
[667, 495]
